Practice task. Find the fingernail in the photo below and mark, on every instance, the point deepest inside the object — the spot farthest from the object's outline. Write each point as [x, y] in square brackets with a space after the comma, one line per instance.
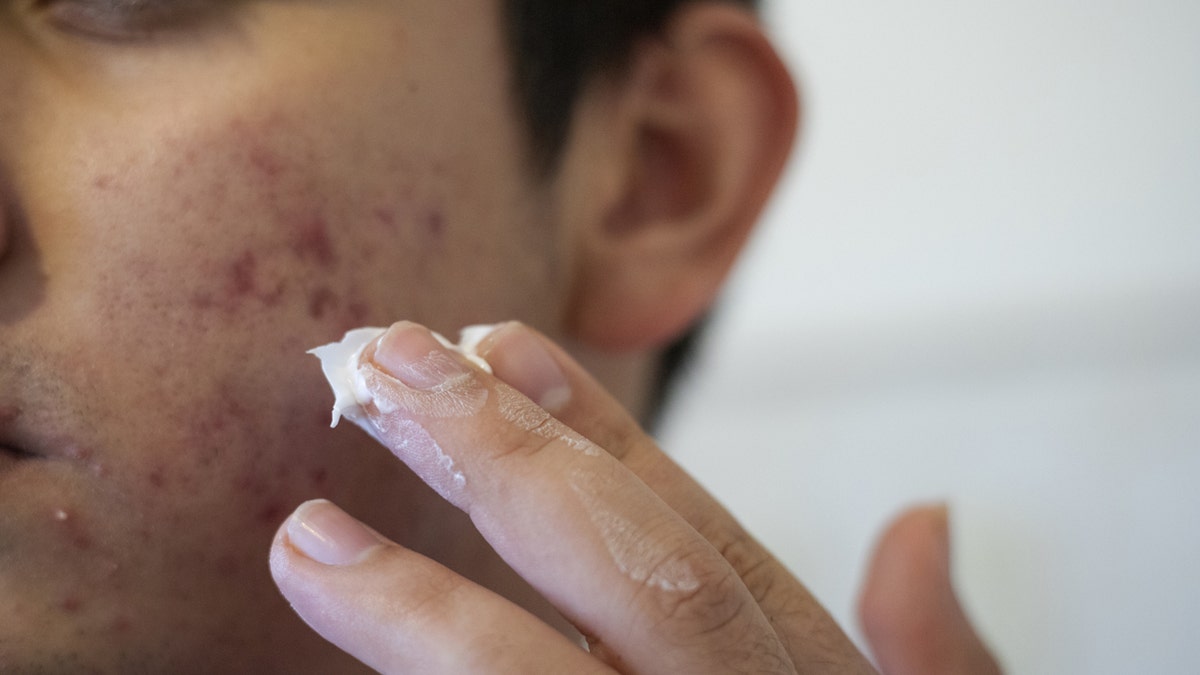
[329, 535]
[411, 354]
[522, 360]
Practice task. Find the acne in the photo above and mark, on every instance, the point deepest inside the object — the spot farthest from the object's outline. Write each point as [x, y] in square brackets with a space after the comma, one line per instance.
[386, 216]
[312, 244]
[242, 273]
[357, 313]
[243, 283]
[435, 225]
[266, 162]
[71, 604]
[73, 531]
[293, 255]
[120, 625]
[270, 515]
[321, 301]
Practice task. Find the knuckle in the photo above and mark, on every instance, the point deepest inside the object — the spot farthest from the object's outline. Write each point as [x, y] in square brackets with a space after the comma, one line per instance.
[426, 595]
[765, 578]
[434, 602]
[705, 607]
[754, 565]
[721, 617]
[718, 613]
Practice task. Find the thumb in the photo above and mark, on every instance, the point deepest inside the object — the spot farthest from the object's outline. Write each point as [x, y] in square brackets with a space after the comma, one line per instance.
[908, 608]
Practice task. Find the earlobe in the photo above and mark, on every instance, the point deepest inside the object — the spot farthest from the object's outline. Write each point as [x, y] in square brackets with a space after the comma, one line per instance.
[666, 170]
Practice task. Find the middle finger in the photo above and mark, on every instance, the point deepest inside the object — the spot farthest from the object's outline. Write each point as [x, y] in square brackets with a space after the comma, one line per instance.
[567, 516]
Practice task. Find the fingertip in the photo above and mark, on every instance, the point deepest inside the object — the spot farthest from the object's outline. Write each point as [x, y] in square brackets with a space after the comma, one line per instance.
[910, 560]
[522, 358]
[908, 608]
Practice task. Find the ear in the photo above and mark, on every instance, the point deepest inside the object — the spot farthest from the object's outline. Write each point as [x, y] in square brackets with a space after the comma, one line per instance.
[666, 169]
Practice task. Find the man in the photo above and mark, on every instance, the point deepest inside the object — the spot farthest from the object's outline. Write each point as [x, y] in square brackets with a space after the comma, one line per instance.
[193, 193]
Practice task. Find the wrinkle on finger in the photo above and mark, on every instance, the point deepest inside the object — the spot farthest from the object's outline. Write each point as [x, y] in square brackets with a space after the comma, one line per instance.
[638, 552]
[728, 625]
[527, 416]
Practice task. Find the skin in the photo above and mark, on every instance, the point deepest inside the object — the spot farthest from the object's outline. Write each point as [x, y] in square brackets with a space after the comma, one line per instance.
[170, 254]
[189, 200]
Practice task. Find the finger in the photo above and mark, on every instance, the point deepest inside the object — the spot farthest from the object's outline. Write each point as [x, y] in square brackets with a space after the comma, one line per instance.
[568, 517]
[908, 608]
[399, 612]
[545, 373]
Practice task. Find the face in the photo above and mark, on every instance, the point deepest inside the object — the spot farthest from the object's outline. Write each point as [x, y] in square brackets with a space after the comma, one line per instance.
[192, 196]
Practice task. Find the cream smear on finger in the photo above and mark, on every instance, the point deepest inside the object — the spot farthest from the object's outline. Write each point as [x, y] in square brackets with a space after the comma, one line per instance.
[350, 379]
[368, 397]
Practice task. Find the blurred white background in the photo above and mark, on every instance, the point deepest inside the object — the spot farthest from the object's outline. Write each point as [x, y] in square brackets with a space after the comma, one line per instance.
[980, 282]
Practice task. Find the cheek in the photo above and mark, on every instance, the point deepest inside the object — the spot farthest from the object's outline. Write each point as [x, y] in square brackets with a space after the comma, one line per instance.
[218, 259]
[232, 225]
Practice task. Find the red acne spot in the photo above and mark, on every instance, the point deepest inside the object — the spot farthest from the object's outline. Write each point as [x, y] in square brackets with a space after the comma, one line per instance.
[435, 223]
[73, 531]
[355, 316]
[358, 313]
[266, 162]
[156, 478]
[71, 604]
[386, 216]
[242, 281]
[319, 476]
[271, 514]
[312, 243]
[242, 274]
[272, 297]
[121, 624]
[103, 182]
[321, 302]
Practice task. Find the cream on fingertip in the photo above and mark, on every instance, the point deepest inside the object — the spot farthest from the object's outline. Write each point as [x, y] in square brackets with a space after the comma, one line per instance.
[341, 362]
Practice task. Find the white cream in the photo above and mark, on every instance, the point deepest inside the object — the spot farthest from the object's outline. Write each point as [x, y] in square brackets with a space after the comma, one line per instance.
[341, 363]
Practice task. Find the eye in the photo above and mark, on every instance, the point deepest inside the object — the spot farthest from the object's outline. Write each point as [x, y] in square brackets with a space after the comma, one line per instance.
[123, 20]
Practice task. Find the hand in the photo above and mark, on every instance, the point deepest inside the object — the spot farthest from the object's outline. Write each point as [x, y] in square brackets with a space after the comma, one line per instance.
[582, 504]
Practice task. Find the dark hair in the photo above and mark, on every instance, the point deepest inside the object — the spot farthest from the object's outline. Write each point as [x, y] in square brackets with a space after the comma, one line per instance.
[556, 48]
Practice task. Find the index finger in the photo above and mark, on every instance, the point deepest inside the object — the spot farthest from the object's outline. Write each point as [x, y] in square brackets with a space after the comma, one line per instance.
[567, 516]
